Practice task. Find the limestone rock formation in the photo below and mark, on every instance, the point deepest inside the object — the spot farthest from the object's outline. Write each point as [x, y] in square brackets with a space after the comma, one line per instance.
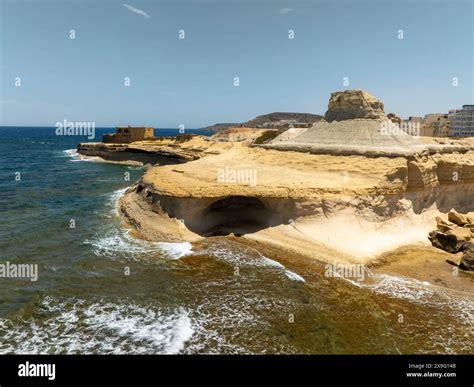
[394, 118]
[460, 233]
[162, 150]
[456, 217]
[353, 104]
[442, 225]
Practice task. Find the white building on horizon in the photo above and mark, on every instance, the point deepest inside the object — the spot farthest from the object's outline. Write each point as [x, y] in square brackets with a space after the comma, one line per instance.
[461, 121]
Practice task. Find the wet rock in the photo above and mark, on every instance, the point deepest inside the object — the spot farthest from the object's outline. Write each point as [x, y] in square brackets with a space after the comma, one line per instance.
[449, 243]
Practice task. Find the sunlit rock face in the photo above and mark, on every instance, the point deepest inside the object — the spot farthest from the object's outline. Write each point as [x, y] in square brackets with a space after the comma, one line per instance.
[353, 104]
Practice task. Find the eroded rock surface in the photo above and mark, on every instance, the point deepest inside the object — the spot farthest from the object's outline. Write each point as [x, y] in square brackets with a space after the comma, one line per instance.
[352, 104]
[162, 151]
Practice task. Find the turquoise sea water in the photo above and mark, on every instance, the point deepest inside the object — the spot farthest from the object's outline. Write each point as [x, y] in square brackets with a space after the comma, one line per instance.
[101, 291]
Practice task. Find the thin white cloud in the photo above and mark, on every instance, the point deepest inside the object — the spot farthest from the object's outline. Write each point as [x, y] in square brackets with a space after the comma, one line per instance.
[285, 11]
[136, 10]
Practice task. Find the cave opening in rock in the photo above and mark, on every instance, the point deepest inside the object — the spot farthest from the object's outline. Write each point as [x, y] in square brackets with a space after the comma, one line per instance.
[235, 214]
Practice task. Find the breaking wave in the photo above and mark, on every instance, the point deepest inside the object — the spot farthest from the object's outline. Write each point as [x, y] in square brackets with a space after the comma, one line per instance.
[75, 156]
[243, 256]
[119, 242]
[79, 327]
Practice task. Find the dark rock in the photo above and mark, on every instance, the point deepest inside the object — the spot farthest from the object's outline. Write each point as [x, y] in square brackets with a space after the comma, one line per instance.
[449, 243]
[451, 262]
[468, 247]
[467, 260]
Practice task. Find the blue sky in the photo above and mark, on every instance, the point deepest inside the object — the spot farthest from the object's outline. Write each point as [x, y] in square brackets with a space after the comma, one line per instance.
[191, 81]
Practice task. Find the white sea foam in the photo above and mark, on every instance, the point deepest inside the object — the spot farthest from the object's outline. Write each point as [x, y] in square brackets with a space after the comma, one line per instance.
[351, 281]
[175, 250]
[116, 240]
[420, 292]
[70, 152]
[114, 196]
[113, 199]
[224, 317]
[75, 156]
[293, 276]
[119, 242]
[239, 255]
[100, 327]
[112, 244]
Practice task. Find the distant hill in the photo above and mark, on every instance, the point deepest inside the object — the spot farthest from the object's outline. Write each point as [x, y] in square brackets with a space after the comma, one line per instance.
[282, 118]
[271, 120]
[221, 126]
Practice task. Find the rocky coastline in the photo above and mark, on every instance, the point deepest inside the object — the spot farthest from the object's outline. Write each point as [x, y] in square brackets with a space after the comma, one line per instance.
[159, 151]
[350, 195]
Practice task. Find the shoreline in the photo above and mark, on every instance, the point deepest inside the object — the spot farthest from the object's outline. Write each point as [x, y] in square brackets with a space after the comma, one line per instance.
[416, 261]
[378, 210]
[77, 157]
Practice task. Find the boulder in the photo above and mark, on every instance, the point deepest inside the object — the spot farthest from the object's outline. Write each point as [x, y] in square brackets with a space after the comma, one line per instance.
[467, 260]
[442, 225]
[456, 217]
[461, 233]
[353, 104]
[449, 243]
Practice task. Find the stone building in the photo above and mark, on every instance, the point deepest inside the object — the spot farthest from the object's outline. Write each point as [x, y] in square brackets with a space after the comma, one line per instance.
[127, 134]
[414, 127]
[461, 121]
[436, 124]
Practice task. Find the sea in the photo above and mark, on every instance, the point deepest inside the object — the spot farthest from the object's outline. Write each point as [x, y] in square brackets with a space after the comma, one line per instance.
[99, 290]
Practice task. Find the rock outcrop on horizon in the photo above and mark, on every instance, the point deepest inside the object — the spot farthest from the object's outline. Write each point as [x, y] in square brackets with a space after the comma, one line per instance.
[353, 104]
[281, 118]
[270, 120]
[221, 126]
